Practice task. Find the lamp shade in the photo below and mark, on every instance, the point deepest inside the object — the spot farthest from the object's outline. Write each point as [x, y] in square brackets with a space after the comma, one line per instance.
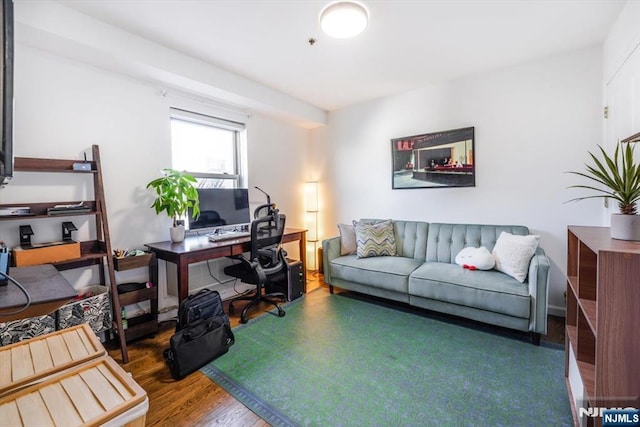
[344, 19]
[312, 226]
[311, 196]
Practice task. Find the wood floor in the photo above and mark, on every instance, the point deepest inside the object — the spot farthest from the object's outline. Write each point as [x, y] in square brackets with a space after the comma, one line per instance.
[198, 401]
[194, 400]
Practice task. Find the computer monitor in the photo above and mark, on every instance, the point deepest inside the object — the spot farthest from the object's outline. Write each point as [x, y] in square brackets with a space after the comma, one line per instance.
[221, 208]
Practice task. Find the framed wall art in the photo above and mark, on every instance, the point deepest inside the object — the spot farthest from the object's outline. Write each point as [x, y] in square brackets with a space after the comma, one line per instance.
[434, 160]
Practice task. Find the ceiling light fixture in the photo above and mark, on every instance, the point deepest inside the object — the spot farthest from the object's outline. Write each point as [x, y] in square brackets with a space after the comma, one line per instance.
[344, 19]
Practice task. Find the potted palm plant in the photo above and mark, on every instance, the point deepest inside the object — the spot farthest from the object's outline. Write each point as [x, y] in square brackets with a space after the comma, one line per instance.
[176, 193]
[618, 178]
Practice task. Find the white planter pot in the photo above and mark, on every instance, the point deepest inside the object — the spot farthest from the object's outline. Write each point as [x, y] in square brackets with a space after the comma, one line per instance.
[625, 227]
[177, 233]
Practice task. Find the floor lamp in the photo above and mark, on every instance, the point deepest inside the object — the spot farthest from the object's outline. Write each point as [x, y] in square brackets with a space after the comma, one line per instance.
[311, 214]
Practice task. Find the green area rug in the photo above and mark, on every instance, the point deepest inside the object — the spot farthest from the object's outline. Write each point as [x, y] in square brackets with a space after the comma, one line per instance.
[340, 361]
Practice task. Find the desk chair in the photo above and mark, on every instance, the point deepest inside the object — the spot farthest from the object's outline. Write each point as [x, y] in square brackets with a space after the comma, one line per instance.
[266, 261]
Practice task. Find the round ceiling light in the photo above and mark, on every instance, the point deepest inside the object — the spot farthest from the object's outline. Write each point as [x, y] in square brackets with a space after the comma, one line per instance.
[344, 19]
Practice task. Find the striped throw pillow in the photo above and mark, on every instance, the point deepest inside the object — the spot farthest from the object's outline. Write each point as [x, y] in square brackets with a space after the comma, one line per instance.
[375, 239]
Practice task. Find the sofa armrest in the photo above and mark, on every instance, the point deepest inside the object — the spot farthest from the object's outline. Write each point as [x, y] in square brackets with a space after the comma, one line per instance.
[539, 291]
[330, 251]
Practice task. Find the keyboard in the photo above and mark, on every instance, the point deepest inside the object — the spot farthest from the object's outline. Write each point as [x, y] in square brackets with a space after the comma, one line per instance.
[227, 235]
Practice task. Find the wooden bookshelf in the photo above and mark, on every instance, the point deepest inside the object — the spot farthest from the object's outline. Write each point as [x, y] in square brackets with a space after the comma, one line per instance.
[603, 319]
[96, 252]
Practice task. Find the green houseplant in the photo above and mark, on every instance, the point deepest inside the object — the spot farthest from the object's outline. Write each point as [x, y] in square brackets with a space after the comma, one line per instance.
[175, 193]
[617, 178]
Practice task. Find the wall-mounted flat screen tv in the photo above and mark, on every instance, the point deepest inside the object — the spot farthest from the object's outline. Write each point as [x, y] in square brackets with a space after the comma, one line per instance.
[6, 92]
[221, 207]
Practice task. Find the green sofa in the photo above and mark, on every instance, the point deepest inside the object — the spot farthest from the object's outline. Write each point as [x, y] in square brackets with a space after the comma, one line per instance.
[424, 274]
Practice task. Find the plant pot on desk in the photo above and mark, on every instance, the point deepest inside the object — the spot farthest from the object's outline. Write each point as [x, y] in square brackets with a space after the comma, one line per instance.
[177, 233]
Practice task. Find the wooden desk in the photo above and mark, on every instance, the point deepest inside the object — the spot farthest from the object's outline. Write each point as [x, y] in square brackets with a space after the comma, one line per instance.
[198, 248]
[48, 289]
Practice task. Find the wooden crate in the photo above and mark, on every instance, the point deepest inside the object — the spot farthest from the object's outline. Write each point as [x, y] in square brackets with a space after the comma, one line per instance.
[91, 394]
[30, 360]
[129, 262]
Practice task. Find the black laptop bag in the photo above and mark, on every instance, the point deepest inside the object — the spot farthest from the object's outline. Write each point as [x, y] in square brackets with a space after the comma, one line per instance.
[198, 344]
[202, 334]
[204, 304]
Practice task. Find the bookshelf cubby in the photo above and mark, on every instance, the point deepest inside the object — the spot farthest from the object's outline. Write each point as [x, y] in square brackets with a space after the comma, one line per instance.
[146, 324]
[602, 365]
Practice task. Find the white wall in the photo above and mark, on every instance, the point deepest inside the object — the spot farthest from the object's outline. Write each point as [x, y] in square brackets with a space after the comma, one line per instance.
[62, 107]
[532, 123]
[53, 27]
[621, 67]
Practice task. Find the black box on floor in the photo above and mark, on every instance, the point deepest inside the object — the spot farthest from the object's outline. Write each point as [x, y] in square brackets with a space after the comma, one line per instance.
[291, 284]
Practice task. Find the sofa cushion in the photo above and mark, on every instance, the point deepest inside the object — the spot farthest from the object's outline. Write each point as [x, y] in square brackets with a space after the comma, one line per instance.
[390, 272]
[411, 238]
[475, 258]
[445, 241]
[374, 240]
[513, 254]
[347, 239]
[487, 290]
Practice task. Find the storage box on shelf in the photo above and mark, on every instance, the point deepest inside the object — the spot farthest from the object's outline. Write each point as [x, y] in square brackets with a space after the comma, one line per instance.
[145, 324]
[603, 319]
[46, 254]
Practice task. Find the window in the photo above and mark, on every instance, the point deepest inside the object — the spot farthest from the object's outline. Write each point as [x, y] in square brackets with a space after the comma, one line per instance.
[209, 148]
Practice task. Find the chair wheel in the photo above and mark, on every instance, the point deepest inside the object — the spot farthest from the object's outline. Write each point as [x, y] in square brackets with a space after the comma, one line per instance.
[281, 312]
[243, 320]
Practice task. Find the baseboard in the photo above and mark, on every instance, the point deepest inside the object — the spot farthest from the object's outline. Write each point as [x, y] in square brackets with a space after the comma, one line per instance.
[557, 311]
[167, 315]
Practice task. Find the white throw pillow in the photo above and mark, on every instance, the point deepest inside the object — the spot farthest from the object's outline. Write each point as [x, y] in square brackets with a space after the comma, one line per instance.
[475, 258]
[513, 254]
[347, 239]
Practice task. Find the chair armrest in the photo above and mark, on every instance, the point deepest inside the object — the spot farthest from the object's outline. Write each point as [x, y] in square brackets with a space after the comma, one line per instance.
[539, 291]
[330, 251]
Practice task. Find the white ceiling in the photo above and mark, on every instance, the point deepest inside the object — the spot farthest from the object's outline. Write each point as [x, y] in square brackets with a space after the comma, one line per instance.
[407, 45]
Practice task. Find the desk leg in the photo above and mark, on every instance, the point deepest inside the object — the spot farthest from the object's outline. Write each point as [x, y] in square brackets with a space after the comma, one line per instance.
[183, 280]
[303, 258]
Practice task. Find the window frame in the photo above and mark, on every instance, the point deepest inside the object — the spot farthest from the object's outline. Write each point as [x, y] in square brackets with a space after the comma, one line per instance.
[239, 177]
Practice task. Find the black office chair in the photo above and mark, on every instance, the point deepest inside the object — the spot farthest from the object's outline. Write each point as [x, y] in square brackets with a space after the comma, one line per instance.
[266, 260]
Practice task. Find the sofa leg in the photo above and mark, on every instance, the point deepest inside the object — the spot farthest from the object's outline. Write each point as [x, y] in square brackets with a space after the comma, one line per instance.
[330, 289]
[535, 338]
